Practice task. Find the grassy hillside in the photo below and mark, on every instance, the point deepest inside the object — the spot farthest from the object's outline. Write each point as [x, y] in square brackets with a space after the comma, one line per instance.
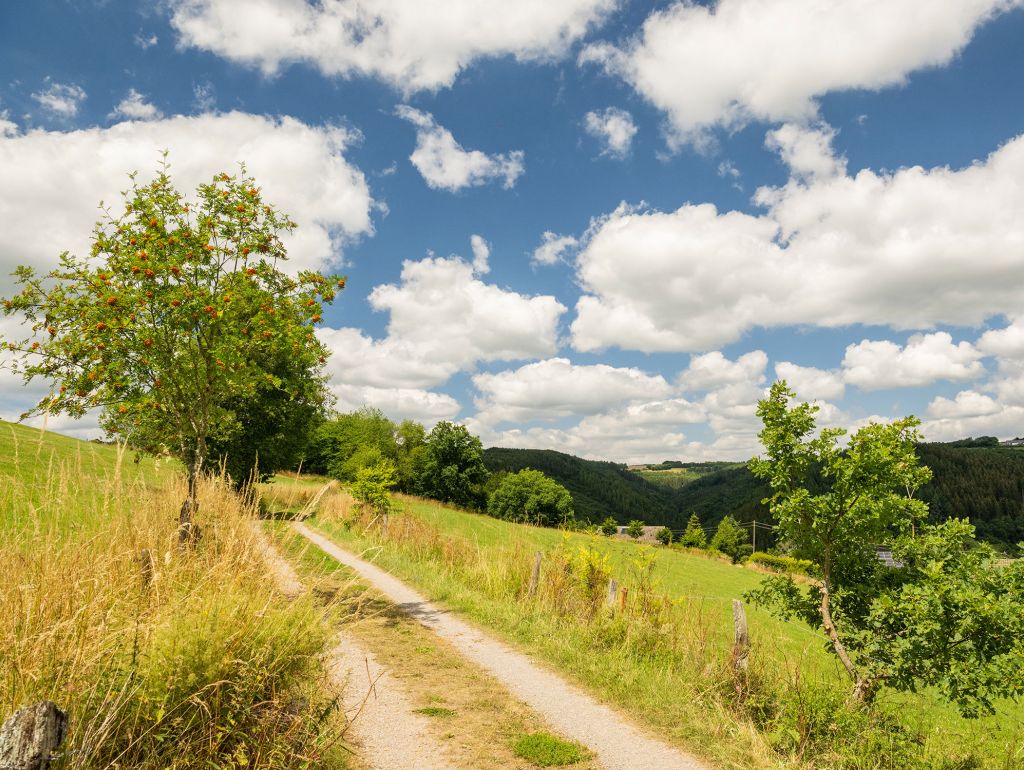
[161, 657]
[665, 658]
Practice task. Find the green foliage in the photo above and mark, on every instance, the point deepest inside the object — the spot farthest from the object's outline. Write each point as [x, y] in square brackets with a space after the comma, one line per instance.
[372, 485]
[952, 622]
[786, 564]
[598, 489]
[348, 442]
[731, 539]
[609, 526]
[635, 528]
[177, 317]
[694, 536]
[531, 497]
[452, 468]
[664, 536]
[545, 750]
[942, 617]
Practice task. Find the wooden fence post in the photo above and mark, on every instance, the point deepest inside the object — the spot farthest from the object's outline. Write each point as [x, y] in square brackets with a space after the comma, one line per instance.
[622, 599]
[613, 592]
[741, 643]
[535, 575]
[30, 736]
[147, 567]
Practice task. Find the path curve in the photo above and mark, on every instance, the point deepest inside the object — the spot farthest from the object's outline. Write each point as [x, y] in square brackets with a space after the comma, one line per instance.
[618, 744]
[383, 725]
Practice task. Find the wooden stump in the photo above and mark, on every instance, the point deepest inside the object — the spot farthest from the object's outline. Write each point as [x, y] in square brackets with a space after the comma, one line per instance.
[31, 735]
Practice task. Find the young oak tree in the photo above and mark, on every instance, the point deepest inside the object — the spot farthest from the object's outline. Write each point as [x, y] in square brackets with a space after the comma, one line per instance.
[173, 318]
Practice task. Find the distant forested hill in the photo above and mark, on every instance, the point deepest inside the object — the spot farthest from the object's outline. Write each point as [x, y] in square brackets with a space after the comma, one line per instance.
[975, 478]
[984, 482]
[598, 489]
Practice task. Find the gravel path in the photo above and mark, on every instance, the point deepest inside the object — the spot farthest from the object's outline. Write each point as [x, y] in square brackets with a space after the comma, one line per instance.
[618, 744]
[386, 732]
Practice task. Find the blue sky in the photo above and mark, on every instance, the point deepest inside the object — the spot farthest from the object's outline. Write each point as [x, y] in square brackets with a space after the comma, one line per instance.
[599, 226]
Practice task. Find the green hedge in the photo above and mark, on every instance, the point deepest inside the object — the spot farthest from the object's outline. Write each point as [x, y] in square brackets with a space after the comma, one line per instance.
[784, 563]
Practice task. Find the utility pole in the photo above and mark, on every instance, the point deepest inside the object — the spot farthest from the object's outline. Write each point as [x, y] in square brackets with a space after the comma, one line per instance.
[754, 535]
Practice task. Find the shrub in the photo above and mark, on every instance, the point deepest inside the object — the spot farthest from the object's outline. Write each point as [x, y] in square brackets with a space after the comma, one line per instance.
[786, 564]
[635, 529]
[664, 536]
[609, 526]
[372, 484]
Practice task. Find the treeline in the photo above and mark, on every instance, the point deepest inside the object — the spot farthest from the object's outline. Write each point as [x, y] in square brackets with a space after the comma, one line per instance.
[973, 478]
[447, 464]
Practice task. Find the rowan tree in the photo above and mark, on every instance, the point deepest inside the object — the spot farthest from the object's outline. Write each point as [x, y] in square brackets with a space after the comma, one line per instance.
[171, 320]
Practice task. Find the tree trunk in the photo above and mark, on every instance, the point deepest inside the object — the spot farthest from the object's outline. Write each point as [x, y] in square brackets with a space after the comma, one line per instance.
[830, 629]
[30, 736]
[188, 531]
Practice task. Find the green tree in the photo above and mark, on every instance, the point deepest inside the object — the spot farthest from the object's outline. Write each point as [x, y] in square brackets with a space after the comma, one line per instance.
[372, 486]
[452, 469]
[864, 495]
[664, 536]
[411, 438]
[609, 526]
[731, 539]
[530, 496]
[694, 536]
[635, 529]
[171, 320]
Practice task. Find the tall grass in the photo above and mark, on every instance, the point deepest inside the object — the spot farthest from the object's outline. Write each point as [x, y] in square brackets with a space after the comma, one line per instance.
[162, 658]
[663, 657]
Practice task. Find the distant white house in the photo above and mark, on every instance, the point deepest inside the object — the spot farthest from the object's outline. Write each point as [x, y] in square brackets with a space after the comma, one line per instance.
[1012, 442]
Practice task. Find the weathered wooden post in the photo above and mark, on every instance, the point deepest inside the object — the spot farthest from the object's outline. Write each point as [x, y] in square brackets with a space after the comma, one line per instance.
[147, 567]
[535, 575]
[741, 642]
[622, 599]
[613, 592]
[30, 736]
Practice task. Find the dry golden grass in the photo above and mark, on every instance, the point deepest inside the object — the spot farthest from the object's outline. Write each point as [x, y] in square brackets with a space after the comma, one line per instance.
[161, 657]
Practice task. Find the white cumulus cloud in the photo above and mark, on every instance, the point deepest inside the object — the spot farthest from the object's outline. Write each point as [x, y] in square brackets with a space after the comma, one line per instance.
[557, 388]
[135, 107]
[732, 61]
[61, 100]
[54, 180]
[446, 165]
[711, 371]
[926, 358]
[443, 308]
[811, 383]
[614, 128]
[909, 249]
[552, 248]
[412, 45]
[481, 254]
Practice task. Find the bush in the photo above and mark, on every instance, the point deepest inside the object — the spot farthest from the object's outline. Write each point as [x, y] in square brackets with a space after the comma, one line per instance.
[531, 497]
[635, 529]
[664, 536]
[609, 526]
[372, 484]
[786, 564]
